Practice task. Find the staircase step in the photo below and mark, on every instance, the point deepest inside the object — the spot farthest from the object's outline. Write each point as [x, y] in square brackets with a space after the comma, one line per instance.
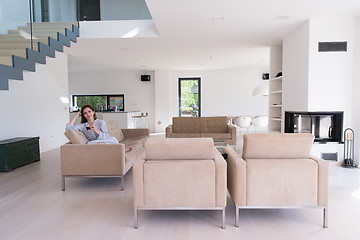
[6, 60]
[22, 40]
[28, 36]
[19, 45]
[39, 31]
[39, 25]
[10, 52]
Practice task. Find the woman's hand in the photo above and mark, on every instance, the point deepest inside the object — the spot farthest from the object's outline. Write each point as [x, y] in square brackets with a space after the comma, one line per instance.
[94, 129]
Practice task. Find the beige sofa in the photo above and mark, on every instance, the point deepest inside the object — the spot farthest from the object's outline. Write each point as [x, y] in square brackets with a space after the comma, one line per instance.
[79, 159]
[199, 127]
[187, 173]
[277, 171]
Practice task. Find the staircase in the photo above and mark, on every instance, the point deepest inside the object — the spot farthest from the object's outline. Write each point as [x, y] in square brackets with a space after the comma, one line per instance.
[16, 54]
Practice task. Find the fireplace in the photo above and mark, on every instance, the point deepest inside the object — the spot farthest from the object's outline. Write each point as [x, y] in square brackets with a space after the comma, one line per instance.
[325, 126]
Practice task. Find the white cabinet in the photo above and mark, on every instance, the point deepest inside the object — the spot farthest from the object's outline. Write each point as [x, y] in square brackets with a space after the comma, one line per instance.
[275, 105]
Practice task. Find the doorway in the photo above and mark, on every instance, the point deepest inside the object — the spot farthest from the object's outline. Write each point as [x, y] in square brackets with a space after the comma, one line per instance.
[189, 97]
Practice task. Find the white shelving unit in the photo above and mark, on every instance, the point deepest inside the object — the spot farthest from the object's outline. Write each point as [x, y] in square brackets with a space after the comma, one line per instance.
[275, 104]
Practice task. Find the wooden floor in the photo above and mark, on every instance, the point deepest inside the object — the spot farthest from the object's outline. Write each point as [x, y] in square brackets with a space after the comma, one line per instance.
[32, 206]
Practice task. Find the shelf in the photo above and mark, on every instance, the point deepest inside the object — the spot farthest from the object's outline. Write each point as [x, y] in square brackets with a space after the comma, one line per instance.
[274, 92]
[276, 79]
[276, 106]
[276, 119]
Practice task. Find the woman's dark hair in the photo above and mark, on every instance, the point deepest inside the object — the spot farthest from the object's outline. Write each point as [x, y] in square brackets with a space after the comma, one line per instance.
[83, 119]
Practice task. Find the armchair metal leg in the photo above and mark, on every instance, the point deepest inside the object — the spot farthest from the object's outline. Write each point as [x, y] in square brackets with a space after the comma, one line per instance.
[223, 218]
[63, 183]
[236, 216]
[122, 183]
[325, 217]
[136, 218]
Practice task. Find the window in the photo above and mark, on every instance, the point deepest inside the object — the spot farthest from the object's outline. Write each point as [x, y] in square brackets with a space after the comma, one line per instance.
[101, 102]
[189, 97]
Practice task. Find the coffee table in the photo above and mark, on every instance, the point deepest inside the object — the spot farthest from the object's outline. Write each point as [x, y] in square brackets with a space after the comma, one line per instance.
[220, 145]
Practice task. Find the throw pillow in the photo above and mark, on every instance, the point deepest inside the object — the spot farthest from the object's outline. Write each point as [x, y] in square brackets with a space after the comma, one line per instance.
[115, 130]
[76, 137]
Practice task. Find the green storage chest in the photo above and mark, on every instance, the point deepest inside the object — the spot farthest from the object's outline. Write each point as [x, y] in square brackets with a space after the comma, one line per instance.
[19, 151]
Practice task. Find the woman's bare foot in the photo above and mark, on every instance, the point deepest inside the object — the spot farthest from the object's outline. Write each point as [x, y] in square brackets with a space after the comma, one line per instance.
[128, 149]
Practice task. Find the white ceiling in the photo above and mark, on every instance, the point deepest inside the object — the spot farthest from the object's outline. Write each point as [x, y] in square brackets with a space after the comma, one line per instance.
[206, 34]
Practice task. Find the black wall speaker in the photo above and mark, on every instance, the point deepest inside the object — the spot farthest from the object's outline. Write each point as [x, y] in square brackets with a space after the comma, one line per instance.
[145, 78]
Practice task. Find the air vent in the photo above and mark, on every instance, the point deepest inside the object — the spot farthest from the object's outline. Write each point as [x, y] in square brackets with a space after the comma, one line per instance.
[332, 46]
[330, 156]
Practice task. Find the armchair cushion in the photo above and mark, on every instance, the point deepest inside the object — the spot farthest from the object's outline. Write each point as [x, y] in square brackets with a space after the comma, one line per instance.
[277, 146]
[180, 183]
[281, 182]
[180, 148]
[76, 137]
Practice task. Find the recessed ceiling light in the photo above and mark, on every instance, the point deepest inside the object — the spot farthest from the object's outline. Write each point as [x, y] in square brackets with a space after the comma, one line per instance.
[218, 18]
[281, 18]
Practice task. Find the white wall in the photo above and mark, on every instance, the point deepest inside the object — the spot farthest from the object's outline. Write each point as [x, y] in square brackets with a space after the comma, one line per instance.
[139, 96]
[223, 93]
[32, 107]
[13, 13]
[162, 99]
[355, 91]
[331, 73]
[295, 69]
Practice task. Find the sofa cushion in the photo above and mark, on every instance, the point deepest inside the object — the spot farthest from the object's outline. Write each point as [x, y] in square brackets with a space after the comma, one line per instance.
[186, 125]
[76, 137]
[114, 130]
[216, 136]
[179, 148]
[185, 135]
[277, 145]
[213, 124]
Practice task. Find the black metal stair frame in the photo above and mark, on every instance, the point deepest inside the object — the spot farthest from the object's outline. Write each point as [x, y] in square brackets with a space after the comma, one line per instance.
[15, 72]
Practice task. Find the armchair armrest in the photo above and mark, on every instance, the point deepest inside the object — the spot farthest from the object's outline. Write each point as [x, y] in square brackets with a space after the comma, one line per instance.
[134, 132]
[232, 130]
[92, 160]
[168, 131]
[220, 179]
[236, 173]
[323, 181]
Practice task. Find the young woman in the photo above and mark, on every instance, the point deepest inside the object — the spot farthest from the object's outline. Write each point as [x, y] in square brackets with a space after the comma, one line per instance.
[94, 129]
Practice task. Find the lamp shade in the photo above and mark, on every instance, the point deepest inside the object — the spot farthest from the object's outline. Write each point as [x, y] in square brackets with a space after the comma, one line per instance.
[261, 90]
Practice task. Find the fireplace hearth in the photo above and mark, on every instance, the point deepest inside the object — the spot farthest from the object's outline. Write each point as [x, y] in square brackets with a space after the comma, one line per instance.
[325, 126]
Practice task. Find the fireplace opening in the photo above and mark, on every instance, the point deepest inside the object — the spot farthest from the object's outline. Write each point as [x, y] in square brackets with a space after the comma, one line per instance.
[325, 126]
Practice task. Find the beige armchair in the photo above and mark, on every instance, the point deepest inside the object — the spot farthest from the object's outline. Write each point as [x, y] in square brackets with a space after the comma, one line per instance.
[277, 171]
[180, 173]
